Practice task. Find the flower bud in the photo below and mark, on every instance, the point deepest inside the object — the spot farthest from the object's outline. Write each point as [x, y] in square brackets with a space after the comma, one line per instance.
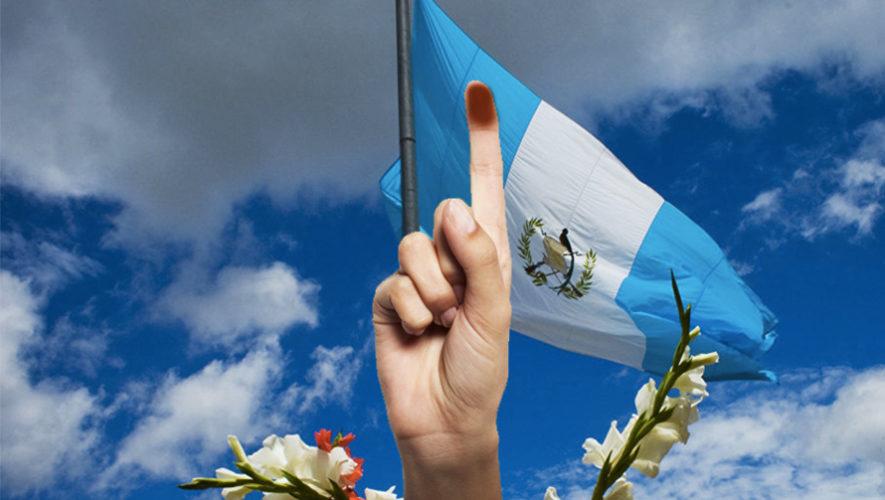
[704, 359]
[237, 448]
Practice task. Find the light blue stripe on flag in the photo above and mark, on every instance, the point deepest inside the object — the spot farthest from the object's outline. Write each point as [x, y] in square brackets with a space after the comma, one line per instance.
[734, 321]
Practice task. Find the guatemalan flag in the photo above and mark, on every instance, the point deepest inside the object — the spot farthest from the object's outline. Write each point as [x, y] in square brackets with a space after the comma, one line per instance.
[602, 287]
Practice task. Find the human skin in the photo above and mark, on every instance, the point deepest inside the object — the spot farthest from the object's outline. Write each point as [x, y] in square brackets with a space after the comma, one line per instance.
[442, 324]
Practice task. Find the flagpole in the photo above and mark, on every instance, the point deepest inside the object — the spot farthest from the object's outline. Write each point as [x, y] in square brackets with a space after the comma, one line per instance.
[408, 177]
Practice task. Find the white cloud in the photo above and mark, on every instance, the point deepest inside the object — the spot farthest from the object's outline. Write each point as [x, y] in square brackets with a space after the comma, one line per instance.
[683, 53]
[741, 267]
[841, 211]
[47, 265]
[817, 438]
[765, 205]
[181, 117]
[331, 378]
[819, 434]
[190, 418]
[243, 302]
[45, 431]
[858, 203]
[846, 198]
[74, 346]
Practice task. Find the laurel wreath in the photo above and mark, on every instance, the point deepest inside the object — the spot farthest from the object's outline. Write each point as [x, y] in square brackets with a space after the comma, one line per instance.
[585, 281]
[569, 290]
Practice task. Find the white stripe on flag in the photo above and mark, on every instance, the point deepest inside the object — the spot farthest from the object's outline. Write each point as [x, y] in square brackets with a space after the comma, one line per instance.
[564, 175]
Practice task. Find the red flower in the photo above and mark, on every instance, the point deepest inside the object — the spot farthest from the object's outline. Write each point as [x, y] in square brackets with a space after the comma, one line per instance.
[325, 442]
[324, 439]
[355, 475]
[344, 441]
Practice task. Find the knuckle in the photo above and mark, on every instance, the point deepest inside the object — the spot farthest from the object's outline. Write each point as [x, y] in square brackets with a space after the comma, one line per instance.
[402, 287]
[381, 289]
[411, 244]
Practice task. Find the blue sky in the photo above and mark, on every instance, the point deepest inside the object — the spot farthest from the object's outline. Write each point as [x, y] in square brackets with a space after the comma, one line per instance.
[191, 234]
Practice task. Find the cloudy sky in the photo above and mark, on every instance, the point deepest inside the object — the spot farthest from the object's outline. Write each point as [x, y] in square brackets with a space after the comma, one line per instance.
[191, 232]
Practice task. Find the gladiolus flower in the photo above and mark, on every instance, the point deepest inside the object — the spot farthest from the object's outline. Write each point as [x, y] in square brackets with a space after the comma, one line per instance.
[704, 359]
[692, 383]
[596, 453]
[323, 438]
[621, 490]
[657, 443]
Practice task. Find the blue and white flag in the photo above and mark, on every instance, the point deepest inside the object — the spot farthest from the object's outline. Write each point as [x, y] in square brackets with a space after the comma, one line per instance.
[592, 245]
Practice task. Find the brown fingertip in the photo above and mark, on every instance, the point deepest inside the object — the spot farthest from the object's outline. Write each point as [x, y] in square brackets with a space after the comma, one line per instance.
[480, 105]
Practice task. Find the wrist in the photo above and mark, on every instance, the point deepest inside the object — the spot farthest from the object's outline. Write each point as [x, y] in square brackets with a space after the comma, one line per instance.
[446, 449]
[451, 466]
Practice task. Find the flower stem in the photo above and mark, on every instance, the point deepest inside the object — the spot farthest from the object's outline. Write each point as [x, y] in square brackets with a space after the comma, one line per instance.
[647, 420]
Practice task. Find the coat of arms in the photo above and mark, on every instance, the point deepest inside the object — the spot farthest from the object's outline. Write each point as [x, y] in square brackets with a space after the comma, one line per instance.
[557, 263]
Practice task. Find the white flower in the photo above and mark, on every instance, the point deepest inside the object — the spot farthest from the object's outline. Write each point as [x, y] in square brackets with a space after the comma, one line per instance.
[596, 453]
[237, 492]
[704, 359]
[652, 449]
[550, 494]
[330, 466]
[657, 443]
[692, 383]
[685, 413]
[271, 458]
[645, 397]
[316, 467]
[381, 495]
[301, 459]
[621, 490]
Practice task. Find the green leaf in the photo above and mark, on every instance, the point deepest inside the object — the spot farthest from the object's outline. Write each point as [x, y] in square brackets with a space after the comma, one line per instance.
[676, 292]
[664, 414]
[585, 280]
[529, 228]
[300, 489]
[202, 483]
[337, 492]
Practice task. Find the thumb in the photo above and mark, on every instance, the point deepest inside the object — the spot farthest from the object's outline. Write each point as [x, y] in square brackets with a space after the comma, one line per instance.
[486, 301]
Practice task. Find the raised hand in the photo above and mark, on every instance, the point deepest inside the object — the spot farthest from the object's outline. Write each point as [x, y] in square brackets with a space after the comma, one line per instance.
[442, 328]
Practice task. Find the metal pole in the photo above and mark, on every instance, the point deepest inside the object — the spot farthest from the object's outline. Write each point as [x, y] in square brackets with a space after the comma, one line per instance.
[408, 179]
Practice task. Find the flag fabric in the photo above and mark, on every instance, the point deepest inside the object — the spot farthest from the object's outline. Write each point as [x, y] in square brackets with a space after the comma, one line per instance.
[592, 245]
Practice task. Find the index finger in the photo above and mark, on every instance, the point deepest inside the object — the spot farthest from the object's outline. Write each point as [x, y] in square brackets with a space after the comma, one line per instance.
[486, 165]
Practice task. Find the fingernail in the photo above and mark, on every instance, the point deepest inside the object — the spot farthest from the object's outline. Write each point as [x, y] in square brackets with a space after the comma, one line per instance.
[460, 216]
[448, 317]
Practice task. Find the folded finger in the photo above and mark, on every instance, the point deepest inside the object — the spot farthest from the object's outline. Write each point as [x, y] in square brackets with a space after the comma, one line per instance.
[418, 260]
[399, 299]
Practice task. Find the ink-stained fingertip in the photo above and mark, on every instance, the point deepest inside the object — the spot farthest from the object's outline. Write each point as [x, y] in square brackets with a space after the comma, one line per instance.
[480, 105]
